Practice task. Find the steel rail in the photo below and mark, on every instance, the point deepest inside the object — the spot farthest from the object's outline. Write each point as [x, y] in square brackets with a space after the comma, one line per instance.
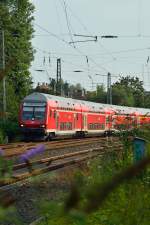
[9, 153]
[36, 172]
[54, 142]
[55, 158]
[42, 171]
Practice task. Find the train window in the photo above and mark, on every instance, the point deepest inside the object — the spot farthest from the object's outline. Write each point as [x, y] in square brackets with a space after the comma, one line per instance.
[55, 114]
[27, 113]
[62, 126]
[97, 126]
[50, 113]
[107, 119]
[70, 126]
[39, 113]
[77, 116]
[67, 126]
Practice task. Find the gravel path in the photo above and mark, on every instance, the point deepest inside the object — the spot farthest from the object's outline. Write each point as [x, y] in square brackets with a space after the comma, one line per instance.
[29, 195]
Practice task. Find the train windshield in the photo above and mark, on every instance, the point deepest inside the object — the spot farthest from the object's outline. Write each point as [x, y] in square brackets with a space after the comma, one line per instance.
[33, 113]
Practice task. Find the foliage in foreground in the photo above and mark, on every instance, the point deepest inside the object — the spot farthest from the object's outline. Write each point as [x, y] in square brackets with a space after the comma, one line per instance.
[8, 129]
[16, 19]
[128, 204]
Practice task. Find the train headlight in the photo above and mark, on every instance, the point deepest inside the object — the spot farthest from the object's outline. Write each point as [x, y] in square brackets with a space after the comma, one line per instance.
[43, 126]
[22, 125]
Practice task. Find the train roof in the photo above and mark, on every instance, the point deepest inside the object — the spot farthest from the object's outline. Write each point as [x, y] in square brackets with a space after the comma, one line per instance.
[85, 105]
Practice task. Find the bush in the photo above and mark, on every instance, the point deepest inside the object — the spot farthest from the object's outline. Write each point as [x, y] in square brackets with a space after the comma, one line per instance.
[8, 129]
[1, 137]
[127, 204]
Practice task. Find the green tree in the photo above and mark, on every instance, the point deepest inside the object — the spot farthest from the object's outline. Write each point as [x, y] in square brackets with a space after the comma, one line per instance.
[97, 96]
[147, 99]
[132, 85]
[122, 95]
[16, 20]
[66, 89]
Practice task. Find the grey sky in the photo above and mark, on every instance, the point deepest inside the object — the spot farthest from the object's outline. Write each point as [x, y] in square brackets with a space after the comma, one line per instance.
[126, 55]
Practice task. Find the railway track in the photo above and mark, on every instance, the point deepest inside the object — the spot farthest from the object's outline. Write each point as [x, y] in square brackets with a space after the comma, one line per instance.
[34, 168]
[19, 187]
[19, 148]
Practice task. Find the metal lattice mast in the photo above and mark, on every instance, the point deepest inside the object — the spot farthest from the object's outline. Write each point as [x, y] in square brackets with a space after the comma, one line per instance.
[58, 78]
[2, 65]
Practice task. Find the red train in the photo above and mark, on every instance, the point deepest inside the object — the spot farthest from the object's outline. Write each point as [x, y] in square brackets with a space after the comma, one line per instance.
[46, 116]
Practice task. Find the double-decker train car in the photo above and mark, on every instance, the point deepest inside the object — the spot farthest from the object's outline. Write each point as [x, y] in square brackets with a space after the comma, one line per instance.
[45, 116]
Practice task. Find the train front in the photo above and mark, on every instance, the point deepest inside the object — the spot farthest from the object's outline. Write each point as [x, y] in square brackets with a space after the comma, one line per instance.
[32, 118]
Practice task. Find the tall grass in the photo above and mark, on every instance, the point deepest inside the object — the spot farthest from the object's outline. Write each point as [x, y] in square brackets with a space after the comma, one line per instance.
[97, 196]
[127, 204]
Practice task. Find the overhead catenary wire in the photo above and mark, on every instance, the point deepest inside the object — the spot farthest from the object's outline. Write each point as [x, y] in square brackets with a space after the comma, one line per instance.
[86, 29]
[76, 65]
[68, 62]
[126, 51]
[104, 54]
[68, 23]
[100, 36]
[139, 17]
[58, 16]
[65, 61]
[76, 49]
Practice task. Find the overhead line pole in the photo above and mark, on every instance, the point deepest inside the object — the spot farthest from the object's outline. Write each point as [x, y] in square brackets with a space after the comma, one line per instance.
[109, 87]
[3, 68]
[58, 78]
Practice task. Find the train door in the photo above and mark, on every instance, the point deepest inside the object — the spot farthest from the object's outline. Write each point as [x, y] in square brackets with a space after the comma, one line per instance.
[84, 121]
[57, 120]
[51, 119]
[113, 121]
[107, 122]
[75, 120]
[110, 122]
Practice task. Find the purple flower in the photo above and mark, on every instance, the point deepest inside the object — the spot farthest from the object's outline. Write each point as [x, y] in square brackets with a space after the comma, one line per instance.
[1, 152]
[31, 153]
